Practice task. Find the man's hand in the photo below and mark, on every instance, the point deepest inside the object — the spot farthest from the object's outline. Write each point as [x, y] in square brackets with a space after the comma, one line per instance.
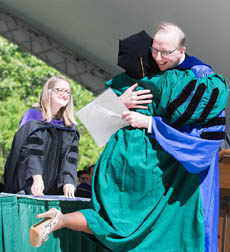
[135, 119]
[136, 99]
[37, 186]
[68, 190]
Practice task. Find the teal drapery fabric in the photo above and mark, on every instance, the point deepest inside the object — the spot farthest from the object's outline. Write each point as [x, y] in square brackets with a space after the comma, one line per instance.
[9, 224]
[18, 214]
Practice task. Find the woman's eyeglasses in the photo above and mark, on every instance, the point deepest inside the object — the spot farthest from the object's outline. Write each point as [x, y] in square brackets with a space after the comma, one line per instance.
[61, 91]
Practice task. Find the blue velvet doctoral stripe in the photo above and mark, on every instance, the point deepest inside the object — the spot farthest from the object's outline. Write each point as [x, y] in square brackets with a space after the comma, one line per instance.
[191, 61]
[198, 156]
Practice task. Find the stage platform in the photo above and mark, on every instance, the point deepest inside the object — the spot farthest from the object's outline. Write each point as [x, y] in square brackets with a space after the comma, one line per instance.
[18, 213]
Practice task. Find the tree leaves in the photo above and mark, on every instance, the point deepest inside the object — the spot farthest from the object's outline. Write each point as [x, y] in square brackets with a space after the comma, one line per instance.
[21, 79]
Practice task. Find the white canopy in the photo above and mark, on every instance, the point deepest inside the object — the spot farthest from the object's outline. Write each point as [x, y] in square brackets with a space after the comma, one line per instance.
[80, 37]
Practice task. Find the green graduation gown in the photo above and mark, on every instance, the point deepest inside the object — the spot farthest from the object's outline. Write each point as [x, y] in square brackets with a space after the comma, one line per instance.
[142, 198]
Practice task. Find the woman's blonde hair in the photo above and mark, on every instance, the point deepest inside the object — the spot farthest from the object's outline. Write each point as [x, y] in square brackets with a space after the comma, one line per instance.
[67, 112]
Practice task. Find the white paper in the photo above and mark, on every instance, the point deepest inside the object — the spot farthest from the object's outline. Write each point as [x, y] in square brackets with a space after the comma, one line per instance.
[102, 116]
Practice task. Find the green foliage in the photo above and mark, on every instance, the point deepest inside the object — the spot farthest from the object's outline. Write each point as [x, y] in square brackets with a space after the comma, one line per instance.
[21, 79]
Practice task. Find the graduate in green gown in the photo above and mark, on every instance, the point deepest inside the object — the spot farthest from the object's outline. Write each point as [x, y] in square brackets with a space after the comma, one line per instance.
[143, 198]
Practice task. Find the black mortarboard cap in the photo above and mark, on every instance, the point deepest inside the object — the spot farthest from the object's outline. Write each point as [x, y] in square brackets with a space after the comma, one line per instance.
[135, 57]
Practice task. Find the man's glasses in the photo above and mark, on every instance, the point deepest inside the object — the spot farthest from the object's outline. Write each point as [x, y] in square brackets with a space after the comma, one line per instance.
[60, 91]
[164, 54]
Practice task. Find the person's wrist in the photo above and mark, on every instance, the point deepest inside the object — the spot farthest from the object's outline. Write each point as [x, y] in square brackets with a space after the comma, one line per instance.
[122, 100]
[146, 122]
[37, 177]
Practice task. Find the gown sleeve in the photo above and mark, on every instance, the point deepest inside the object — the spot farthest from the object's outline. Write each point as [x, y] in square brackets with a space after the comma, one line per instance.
[196, 101]
[68, 172]
[33, 151]
[183, 99]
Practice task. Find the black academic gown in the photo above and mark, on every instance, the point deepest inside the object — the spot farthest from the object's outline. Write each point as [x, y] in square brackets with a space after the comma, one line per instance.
[45, 149]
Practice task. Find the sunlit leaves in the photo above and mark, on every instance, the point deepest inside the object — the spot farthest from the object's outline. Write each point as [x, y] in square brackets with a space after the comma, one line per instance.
[21, 79]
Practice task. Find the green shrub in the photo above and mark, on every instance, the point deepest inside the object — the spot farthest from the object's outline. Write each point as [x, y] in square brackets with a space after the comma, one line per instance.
[21, 79]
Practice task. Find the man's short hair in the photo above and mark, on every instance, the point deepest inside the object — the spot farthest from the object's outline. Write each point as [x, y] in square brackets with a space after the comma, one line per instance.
[168, 27]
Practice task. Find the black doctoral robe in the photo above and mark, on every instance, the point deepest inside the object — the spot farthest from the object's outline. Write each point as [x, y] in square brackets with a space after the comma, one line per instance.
[45, 149]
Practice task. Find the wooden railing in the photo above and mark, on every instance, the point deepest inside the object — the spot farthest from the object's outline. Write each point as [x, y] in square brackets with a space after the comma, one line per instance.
[224, 215]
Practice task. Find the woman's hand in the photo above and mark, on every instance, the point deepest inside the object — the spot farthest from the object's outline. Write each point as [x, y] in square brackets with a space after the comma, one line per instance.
[135, 119]
[136, 99]
[37, 186]
[69, 190]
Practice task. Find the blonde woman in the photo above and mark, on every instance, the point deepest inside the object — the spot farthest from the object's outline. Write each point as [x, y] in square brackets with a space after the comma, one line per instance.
[44, 153]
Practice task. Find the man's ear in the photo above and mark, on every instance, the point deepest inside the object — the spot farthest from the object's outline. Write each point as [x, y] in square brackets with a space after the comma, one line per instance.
[183, 49]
